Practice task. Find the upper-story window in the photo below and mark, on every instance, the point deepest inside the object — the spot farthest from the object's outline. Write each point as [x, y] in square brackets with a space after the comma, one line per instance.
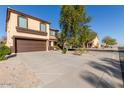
[43, 27]
[52, 33]
[23, 22]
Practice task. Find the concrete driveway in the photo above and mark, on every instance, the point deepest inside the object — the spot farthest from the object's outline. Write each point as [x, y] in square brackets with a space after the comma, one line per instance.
[54, 69]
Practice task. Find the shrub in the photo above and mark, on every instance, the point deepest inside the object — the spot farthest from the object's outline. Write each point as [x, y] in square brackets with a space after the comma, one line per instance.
[56, 47]
[80, 51]
[2, 57]
[4, 50]
[64, 50]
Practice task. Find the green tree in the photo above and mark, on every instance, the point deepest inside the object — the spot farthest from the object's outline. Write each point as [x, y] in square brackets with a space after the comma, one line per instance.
[92, 35]
[113, 42]
[86, 36]
[3, 40]
[85, 33]
[70, 17]
[74, 25]
[109, 41]
[60, 39]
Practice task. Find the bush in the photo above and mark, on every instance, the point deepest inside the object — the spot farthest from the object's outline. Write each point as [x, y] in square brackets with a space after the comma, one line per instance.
[64, 50]
[2, 57]
[4, 50]
[56, 48]
[80, 51]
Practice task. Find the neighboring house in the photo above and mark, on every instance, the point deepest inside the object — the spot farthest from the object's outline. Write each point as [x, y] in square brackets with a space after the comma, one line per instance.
[94, 43]
[26, 33]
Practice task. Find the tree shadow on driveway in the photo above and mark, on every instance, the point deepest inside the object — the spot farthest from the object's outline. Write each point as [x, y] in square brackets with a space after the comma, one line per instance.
[110, 73]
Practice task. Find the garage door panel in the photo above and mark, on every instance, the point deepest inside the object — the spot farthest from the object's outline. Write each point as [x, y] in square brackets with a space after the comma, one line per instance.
[28, 45]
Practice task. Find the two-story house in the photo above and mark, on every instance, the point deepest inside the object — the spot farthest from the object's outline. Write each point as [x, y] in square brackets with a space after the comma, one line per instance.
[26, 33]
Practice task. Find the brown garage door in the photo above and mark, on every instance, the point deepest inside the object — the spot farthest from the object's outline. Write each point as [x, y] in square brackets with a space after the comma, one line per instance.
[28, 45]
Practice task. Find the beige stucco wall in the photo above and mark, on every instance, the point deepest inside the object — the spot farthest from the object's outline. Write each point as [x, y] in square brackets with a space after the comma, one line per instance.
[52, 37]
[48, 34]
[32, 24]
[48, 30]
[52, 43]
[10, 30]
[96, 42]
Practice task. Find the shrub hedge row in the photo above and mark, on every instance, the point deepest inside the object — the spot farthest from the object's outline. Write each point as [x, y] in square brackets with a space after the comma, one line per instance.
[4, 50]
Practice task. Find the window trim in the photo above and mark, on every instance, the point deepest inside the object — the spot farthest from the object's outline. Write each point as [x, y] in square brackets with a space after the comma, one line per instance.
[52, 34]
[30, 31]
[26, 20]
[45, 27]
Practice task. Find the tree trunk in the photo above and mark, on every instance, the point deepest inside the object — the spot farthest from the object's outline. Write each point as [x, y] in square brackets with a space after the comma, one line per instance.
[87, 45]
[83, 45]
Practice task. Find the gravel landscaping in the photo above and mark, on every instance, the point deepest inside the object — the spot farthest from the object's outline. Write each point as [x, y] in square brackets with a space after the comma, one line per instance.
[54, 69]
[16, 74]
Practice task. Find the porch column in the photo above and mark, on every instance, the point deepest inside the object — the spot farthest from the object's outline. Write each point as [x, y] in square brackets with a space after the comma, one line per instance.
[47, 45]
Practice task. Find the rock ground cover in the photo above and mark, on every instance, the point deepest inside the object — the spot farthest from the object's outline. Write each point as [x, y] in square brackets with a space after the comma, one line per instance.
[54, 69]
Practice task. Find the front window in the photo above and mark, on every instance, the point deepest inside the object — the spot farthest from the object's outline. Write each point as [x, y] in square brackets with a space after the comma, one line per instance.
[52, 33]
[43, 27]
[23, 22]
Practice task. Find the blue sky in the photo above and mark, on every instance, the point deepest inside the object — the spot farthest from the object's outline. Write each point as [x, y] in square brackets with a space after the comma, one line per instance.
[106, 20]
